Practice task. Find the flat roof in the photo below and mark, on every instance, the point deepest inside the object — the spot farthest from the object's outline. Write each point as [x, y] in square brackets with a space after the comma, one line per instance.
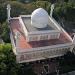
[29, 27]
[23, 44]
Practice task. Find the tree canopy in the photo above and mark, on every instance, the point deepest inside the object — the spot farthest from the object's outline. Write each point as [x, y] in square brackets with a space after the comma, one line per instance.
[8, 64]
[5, 32]
[65, 9]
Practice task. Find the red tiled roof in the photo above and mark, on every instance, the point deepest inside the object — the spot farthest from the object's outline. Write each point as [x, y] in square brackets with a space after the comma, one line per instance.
[15, 26]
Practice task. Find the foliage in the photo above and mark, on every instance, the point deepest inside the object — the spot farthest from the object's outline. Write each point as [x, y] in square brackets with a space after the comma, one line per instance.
[66, 10]
[8, 65]
[5, 58]
[43, 4]
[4, 32]
[2, 13]
[67, 62]
[26, 1]
[18, 8]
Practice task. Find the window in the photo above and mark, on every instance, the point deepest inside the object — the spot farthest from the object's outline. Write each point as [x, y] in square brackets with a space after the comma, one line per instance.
[43, 37]
[33, 38]
[54, 36]
[30, 38]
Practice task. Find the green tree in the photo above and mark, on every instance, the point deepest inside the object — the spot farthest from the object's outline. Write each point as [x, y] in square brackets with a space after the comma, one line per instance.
[8, 64]
[65, 10]
[4, 32]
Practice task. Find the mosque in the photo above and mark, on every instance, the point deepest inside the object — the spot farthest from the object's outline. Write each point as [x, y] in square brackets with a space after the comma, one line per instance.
[38, 37]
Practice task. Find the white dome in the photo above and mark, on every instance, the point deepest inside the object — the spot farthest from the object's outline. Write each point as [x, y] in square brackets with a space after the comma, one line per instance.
[39, 18]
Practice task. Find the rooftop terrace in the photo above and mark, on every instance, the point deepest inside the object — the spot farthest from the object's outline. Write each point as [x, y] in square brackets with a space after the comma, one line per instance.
[27, 23]
[22, 43]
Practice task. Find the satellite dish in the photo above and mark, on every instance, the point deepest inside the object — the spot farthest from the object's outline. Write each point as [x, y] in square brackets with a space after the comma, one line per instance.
[39, 18]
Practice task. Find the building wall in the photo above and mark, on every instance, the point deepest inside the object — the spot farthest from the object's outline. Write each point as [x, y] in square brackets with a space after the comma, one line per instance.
[42, 54]
[39, 37]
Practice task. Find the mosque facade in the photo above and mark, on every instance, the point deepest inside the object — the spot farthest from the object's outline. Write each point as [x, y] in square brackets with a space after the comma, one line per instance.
[38, 36]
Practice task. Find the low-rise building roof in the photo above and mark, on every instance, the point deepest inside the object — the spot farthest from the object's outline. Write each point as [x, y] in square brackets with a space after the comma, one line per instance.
[22, 43]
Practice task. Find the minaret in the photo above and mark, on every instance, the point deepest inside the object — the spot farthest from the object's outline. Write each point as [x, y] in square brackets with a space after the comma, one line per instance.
[73, 45]
[17, 38]
[74, 39]
[51, 12]
[8, 12]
